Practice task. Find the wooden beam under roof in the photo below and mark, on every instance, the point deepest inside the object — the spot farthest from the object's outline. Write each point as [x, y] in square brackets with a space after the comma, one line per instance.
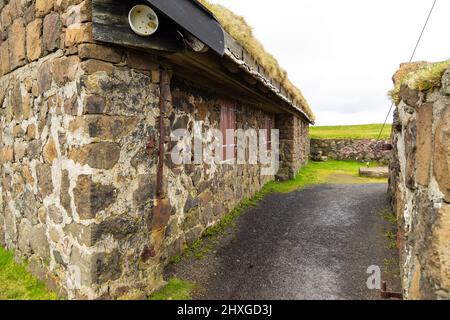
[110, 25]
[207, 70]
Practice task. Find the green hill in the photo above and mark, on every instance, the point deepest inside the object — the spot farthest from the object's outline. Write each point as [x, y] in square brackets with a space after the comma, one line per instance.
[367, 131]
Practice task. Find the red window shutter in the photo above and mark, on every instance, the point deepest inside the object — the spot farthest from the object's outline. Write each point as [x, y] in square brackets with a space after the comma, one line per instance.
[231, 143]
[269, 126]
[223, 128]
[227, 121]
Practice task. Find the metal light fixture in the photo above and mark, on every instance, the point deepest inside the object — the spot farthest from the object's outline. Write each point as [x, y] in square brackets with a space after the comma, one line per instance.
[143, 20]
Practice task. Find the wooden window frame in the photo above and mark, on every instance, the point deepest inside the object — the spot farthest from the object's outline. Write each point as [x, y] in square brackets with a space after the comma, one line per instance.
[228, 122]
[269, 125]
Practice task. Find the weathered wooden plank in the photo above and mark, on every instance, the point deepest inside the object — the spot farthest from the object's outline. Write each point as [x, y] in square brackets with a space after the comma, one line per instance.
[110, 24]
[263, 72]
[234, 47]
[249, 79]
[262, 87]
[289, 96]
[250, 62]
[231, 65]
[284, 92]
[276, 84]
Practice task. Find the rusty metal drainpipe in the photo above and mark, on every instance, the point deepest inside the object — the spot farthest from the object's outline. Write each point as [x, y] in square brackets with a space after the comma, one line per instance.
[387, 294]
[162, 133]
[157, 222]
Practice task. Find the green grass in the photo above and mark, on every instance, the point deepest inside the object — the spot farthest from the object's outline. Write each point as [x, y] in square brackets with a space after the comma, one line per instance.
[16, 283]
[389, 217]
[391, 233]
[331, 172]
[392, 239]
[367, 131]
[391, 267]
[175, 289]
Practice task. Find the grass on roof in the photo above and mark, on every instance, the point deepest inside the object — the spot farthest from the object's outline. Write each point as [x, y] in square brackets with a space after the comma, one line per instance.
[421, 76]
[242, 32]
[366, 131]
[16, 283]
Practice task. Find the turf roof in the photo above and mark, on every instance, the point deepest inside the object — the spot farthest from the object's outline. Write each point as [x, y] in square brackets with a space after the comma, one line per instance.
[421, 76]
[242, 32]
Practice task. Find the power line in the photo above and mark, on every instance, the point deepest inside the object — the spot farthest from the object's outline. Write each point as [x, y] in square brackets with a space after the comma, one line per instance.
[410, 60]
[385, 121]
[423, 30]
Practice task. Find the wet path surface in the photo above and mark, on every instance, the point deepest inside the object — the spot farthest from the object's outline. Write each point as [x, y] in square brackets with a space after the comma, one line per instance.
[316, 243]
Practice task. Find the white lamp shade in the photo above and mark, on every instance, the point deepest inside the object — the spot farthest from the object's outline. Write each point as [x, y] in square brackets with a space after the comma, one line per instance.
[143, 20]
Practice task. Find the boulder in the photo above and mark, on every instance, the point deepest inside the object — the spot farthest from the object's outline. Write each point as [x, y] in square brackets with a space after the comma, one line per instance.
[379, 172]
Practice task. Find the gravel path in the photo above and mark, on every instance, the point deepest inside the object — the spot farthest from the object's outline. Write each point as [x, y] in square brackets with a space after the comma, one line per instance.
[316, 243]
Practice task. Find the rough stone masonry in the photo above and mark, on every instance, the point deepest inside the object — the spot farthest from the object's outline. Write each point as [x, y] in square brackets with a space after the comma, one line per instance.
[79, 155]
[420, 189]
[362, 150]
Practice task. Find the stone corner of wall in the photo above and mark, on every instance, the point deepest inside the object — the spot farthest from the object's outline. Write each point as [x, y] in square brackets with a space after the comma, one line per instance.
[420, 189]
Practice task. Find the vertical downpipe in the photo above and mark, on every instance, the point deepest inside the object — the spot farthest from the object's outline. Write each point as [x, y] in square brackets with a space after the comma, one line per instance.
[162, 133]
[159, 212]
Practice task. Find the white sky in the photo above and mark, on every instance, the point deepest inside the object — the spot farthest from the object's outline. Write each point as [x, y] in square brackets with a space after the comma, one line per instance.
[342, 54]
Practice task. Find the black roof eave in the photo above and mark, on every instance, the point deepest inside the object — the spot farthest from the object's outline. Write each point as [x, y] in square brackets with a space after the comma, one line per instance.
[196, 19]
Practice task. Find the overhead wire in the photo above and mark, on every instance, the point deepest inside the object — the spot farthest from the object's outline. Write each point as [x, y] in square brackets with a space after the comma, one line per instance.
[410, 60]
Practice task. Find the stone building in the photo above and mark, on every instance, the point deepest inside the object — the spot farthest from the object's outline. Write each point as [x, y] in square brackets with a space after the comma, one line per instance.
[89, 194]
[420, 179]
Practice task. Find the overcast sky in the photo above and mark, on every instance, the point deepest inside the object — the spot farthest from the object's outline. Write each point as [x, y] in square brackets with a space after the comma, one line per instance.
[342, 54]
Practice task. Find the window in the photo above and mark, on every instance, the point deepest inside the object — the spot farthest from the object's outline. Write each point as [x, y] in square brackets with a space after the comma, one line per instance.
[269, 125]
[228, 122]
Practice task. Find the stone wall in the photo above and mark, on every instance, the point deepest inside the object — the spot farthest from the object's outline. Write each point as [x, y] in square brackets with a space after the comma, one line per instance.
[363, 150]
[79, 132]
[420, 190]
[294, 145]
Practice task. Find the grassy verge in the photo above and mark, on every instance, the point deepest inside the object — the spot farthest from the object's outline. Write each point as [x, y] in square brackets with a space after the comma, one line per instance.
[175, 289]
[391, 265]
[16, 283]
[367, 131]
[391, 233]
